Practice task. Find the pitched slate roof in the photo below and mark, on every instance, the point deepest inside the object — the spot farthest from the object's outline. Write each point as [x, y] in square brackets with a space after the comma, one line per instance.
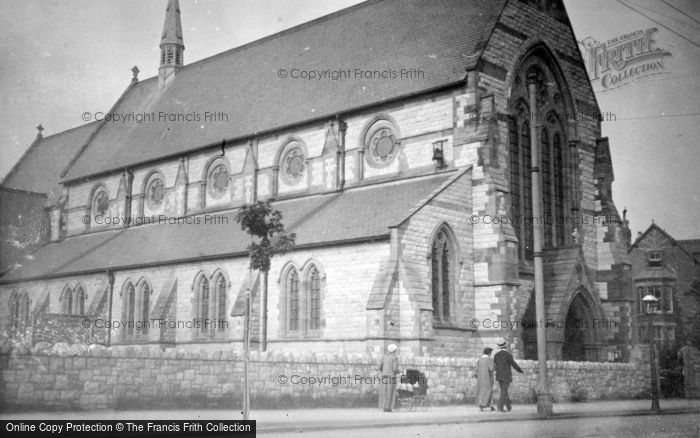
[440, 38]
[362, 213]
[39, 169]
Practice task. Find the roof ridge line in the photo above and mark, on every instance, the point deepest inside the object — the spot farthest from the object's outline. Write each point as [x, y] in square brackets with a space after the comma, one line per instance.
[281, 33]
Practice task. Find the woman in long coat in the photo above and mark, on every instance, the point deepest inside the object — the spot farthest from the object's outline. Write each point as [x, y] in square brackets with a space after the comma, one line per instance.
[484, 380]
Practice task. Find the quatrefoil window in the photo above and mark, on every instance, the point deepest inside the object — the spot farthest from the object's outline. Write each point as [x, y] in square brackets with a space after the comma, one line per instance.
[100, 202]
[381, 141]
[155, 192]
[293, 164]
[218, 181]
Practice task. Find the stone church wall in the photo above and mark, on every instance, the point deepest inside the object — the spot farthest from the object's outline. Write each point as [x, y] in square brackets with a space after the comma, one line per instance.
[141, 377]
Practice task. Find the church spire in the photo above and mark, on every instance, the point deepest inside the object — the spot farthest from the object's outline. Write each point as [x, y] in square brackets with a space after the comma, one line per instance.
[171, 43]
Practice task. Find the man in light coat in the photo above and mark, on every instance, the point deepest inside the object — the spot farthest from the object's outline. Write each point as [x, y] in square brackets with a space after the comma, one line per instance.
[388, 369]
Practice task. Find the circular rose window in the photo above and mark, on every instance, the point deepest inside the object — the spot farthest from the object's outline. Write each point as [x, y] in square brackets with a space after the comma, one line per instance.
[155, 193]
[293, 165]
[218, 181]
[381, 143]
[100, 202]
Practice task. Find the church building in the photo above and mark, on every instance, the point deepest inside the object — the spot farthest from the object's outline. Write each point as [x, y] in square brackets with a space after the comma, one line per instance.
[396, 139]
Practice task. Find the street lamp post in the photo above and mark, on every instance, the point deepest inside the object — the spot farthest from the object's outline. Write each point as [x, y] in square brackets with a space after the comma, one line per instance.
[650, 303]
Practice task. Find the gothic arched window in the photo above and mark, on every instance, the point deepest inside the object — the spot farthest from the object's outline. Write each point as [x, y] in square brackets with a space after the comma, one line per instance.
[202, 306]
[19, 313]
[292, 287]
[129, 311]
[314, 298]
[442, 257]
[79, 301]
[220, 316]
[67, 300]
[550, 110]
[302, 296]
[144, 306]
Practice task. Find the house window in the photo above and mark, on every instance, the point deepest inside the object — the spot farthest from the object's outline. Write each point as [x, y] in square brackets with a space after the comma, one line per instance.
[302, 300]
[19, 314]
[442, 258]
[664, 295]
[654, 257]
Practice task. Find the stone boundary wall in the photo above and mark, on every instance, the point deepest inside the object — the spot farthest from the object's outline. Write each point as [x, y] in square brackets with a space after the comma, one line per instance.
[148, 378]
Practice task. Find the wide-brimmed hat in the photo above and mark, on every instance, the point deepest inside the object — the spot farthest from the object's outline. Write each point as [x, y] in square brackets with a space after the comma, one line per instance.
[501, 343]
[391, 348]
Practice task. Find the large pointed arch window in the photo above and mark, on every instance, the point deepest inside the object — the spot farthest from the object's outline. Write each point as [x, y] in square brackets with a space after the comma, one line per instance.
[551, 137]
[442, 257]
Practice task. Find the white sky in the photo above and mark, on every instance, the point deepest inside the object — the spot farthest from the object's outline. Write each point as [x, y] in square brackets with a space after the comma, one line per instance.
[59, 58]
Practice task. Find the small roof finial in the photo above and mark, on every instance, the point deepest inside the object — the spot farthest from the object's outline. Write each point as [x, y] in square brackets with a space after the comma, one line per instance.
[135, 70]
[39, 128]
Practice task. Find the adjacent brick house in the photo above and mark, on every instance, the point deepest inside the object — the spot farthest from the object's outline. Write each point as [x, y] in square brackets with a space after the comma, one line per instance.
[407, 183]
[669, 270]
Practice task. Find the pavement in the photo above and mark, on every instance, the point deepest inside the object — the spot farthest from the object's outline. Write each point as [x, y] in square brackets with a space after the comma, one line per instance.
[297, 420]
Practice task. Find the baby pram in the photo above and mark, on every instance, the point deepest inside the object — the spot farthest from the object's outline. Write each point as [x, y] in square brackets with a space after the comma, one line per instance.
[412, 390]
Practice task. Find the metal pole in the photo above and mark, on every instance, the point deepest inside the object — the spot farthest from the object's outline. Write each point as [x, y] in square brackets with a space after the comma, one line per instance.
[264, 309]
[246, 348]
[544, 398]
[654, 378]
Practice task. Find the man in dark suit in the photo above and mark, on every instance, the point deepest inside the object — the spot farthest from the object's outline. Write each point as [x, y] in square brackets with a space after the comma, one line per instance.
[504, 362]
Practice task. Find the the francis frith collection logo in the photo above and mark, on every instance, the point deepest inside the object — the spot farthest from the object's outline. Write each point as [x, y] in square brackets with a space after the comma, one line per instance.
[626, 58]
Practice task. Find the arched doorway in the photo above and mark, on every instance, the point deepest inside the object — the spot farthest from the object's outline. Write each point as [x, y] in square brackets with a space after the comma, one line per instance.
[579, 331]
